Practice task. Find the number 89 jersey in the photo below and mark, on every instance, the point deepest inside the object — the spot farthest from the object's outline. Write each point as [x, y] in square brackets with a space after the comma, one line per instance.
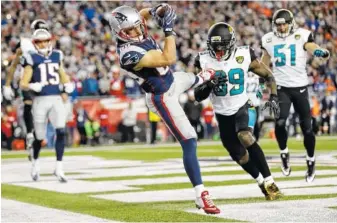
[288, 57]
[45, 70]
[227, 98]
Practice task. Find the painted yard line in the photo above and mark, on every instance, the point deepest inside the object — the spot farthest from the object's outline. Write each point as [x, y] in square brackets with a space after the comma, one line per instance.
[15, 211]
[315, 210]
[223, 192]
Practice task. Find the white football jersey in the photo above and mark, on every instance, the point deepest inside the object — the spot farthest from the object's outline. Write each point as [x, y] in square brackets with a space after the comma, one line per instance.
[288, 57]
[227, 98]
[252, 88]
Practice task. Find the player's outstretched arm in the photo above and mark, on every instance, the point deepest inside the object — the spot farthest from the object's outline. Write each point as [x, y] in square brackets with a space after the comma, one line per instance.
[145, 13]
[316, 50]
[265, 58]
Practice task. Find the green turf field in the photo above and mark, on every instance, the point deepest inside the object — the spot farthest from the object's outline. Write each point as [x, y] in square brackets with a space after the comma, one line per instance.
[156, 173]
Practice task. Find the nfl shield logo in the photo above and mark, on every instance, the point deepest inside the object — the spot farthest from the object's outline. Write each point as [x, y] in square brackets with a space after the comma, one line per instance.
[239, 59]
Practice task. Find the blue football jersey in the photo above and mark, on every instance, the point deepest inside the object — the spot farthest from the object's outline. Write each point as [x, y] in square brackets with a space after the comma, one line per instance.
[153, 80]
[45, 70]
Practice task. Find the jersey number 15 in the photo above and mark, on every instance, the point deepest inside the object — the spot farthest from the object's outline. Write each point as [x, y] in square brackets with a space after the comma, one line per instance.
[49, 73]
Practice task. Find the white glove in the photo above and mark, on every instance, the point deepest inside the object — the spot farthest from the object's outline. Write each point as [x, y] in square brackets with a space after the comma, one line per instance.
[207, 74]
[69, 87]
[37, 87]
[8, 93]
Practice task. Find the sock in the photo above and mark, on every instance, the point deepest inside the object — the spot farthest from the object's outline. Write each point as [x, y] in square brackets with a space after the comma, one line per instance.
[250, 167]
[259, 179]
[60, 143]
[36, 148]
[199, 189]
[59, 166]
[309, 143]
[191, 162]
[28, 117]
[281, 134]
[257, 155]
[312, 159]
[269, 180]
[286, 150]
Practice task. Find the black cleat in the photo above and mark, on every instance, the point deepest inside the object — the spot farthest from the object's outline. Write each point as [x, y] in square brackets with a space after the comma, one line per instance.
[286, 170]
[310, 175]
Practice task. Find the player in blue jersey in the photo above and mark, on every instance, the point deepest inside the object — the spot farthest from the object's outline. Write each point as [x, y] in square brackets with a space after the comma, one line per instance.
[24, 46]
[43, 74]
[141, 56]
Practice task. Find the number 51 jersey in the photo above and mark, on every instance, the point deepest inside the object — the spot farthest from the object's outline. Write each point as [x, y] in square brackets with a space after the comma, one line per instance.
[227, 98]
[288, 57]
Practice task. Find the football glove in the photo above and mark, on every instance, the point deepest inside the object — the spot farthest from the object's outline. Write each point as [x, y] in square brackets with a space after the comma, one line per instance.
[69, 87]
[322, 53]
[167, 21]
[37, 87]
[273, 106]
[8, 93]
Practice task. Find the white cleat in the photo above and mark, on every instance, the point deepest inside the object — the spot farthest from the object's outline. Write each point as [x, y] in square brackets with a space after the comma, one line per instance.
[311, 173]
[60, 176]
[285, 166]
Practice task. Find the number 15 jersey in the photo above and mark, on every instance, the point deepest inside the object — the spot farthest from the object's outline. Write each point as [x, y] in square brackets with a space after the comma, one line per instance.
[227, 98]
[288, 57]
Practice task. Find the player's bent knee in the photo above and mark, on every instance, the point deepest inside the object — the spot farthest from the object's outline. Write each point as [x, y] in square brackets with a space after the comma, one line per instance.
[244, 159]
[28, 102]
[246, 138]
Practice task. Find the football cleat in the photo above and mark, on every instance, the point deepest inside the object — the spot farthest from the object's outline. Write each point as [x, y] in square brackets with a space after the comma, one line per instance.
[273, 191]
[310, 175]
[205, 202]
[263, 190]
[286, 170]
[60, 176]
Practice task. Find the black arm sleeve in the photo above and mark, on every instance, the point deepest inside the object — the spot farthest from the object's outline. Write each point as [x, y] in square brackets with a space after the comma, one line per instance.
[252, 54]
[203, 91]
[197, 62]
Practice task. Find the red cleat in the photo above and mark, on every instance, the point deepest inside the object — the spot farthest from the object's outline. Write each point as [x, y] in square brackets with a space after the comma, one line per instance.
[205, 202]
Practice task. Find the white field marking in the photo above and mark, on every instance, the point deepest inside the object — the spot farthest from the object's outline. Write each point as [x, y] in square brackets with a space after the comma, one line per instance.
[147, 146]
[314, 210]
[225, 192]
[15, 211]
[18, 173]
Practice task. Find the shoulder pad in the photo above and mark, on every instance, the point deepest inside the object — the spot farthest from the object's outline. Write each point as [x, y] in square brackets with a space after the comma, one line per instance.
[26, 59]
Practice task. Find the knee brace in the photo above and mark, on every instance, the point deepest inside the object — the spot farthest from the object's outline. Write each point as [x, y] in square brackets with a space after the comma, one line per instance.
[246, 138]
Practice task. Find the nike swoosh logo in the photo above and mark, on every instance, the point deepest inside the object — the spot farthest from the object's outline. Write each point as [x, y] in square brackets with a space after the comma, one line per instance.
[303, 90]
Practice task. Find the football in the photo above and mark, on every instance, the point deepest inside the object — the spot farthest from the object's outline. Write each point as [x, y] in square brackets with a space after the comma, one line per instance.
[161, 11]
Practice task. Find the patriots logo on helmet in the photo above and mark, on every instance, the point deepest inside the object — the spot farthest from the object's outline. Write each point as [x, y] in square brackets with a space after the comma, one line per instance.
[119, 16]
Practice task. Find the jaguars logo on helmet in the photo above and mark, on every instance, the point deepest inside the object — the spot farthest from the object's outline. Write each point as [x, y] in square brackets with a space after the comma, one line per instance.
[221, 41]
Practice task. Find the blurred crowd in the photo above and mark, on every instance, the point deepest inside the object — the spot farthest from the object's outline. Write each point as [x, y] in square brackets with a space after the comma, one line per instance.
[82, 32]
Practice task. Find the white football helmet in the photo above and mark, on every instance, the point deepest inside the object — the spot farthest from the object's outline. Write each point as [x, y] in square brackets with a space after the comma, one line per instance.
[42, 35]
[125, 17]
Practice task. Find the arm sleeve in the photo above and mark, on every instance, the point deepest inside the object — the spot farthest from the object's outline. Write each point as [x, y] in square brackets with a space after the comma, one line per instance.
[252, 54]
[202, 91]
[197, 62]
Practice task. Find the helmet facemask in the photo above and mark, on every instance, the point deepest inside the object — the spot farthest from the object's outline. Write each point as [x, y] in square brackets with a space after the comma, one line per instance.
[278, 20]
[221, 50]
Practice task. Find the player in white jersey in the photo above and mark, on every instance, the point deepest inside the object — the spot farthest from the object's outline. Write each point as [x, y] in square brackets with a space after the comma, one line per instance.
[286, 47]
[24, 46]
[254, 92]
[230, 101]
[43, 74]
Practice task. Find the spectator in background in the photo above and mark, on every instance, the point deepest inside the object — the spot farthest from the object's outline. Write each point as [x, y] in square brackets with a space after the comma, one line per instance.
[129, 120]
[132, 89]
[103, 115]
[81, 118]
[154, 119]
[90, 85]
[116, 84]
[208, 114]
[193, 112]
[6, 132]
[315, 111]
[71, 126]
[92, 130]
